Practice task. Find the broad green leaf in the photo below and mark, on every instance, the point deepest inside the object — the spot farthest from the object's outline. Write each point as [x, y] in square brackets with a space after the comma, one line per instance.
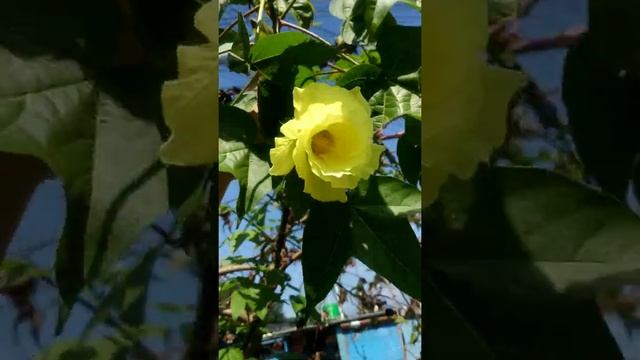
[295, 197]
[129, 185]
[400, 50]
[47, 110]
[465, 99]
[51, 112]
[258, 180]
[274, 45]
[230, 353]
[528, 255]
[237, 125]
[359, 75]
[393, 103]
[455, 337]
[409, 150]
[275, 102]
[383, 195]
[522, 219]
[234, 159]
[327, 245]
[388, 246]
[284, 69]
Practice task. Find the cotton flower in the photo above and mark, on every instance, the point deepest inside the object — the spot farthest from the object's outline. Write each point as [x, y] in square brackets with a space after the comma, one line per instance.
[329, 141]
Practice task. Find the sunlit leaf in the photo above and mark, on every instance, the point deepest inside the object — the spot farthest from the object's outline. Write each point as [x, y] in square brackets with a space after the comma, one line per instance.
[384, 195]
[393, 103]
[389, 247]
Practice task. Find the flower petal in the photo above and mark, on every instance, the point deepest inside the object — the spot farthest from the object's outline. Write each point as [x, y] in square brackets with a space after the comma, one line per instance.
[282, 156]
[190, 111]
[194, 59]
[352, 103]
[206, 21]
[313, 185]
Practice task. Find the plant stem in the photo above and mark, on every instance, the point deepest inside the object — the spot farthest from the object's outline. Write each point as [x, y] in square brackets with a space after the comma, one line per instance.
[304, 31]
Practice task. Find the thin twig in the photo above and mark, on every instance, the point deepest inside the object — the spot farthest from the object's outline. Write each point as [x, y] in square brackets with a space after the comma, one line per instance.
[225, 270]
[282, 236]
[392, 136]
[305, 31]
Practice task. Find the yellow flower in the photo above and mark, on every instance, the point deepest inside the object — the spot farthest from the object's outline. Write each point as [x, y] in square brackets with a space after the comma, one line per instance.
[329, 141]
[465, 99]
[190, 103]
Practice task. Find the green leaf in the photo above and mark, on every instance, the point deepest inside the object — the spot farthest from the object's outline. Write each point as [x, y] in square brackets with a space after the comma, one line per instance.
[400, 50]
[395, 102]
[234, 159]
[275, 102]
[524, 218]
[285, 68]
[238, 305]
[363, 75]
[240, 48]
[409, 150]
[295, 197]
[95, 147]
[274, 45]
[129, 185]
[455, 337]
[237, 125]
[258, 180]
[48, 109]
[230, 353]
[298, 303]
[327, 243]
[383, 195]
[388, 246]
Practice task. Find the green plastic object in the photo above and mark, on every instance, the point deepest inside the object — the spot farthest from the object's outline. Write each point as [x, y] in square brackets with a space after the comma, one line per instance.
[332, 310]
